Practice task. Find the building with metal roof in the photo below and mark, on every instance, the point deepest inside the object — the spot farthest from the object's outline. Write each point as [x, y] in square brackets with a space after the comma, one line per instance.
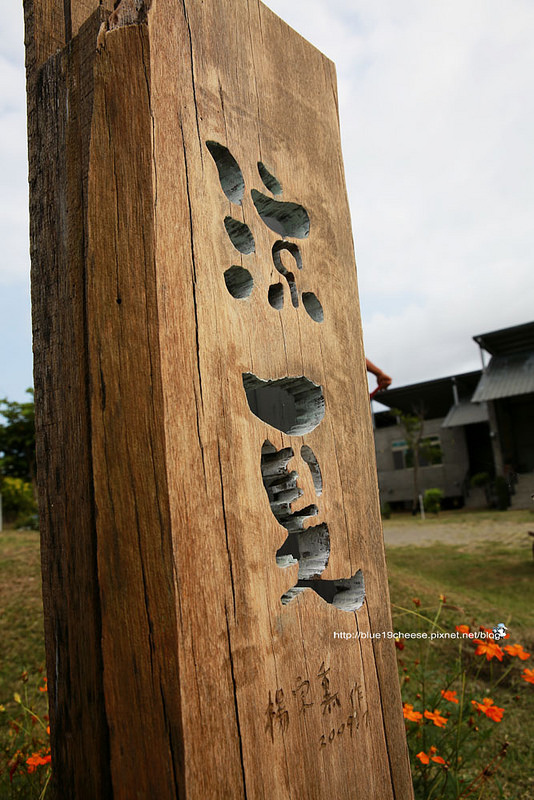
[507, 387]
[478, 422]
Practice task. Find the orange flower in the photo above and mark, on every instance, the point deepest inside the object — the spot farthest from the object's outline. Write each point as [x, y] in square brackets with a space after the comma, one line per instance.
[495, 713]
[37, 760]
[425, 758]
[489, 649]
[488, 708]
[45, 687]
[416, 601]
[436, 718]
[517, 650]
[443, 598]
[462, 628]
[410, 714]
[450, 696]
[528, 675]
[399, 643]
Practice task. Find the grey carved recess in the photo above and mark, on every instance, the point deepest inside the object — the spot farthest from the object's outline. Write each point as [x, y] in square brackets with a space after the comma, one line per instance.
[293, 405]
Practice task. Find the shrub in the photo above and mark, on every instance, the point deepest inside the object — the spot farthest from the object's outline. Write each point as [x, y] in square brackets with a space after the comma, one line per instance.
[432, 500]
[480, 480]
[27, 522]
[386, 511]
[17, 498]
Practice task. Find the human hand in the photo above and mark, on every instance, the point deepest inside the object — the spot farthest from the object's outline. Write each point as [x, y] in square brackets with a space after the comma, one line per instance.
[383, 380]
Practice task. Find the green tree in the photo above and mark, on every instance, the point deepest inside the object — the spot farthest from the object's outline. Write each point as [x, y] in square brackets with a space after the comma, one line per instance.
[420, 448]
[17, 440]
[413, 427]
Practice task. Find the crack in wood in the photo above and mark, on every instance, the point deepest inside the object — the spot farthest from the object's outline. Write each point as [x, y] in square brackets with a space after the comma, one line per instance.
[236, 705]
[226, 528]
[193, 82]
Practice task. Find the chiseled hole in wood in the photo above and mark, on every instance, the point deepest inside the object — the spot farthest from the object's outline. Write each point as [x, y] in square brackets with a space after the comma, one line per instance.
[240, 235]
[239, 282]
[313, 306]
[230, 175]
[285, 219]
[347, 594]
[279, 483]
[269, 181]
[293, 291]
[314, 551]
[282, 489]
[275, 296]
[308, 456]
[292, 593]
[309, 547]
[292, 249]
[293, 405]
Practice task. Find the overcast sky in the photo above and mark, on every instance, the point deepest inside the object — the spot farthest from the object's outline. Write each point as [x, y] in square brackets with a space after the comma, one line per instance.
[437, 119]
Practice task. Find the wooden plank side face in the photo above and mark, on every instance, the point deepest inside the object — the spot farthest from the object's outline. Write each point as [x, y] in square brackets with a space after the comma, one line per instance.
[58, 155]
[135, 568]
[44, 33]
[50, 24]
[232, 86]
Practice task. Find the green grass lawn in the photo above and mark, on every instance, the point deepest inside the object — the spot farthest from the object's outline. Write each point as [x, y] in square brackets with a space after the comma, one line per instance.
[492, 583]
[22, 656]
[465, 516]
[21, 608]
[483, 584]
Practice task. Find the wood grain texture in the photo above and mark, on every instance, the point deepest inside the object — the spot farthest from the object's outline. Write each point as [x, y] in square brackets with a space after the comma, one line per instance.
[58, 163]
[253, 85]
[50, 24]
[135, 566]
[205, 684]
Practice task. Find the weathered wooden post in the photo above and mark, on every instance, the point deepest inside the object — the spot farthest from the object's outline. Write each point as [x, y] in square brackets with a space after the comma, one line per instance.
[209, 506]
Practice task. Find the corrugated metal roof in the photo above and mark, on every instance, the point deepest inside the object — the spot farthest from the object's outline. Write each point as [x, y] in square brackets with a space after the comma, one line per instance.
[506, 376]
[507, 341]
[433, 398]
[465, 413]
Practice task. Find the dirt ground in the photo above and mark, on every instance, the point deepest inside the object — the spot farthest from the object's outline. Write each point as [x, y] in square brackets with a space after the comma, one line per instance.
[509, 528]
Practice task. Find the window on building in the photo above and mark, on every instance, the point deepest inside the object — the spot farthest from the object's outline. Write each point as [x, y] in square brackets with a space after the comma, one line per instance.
[430, 453]
[400, 449]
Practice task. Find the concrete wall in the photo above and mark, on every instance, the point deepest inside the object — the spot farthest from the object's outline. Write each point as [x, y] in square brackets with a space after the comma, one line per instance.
[397, 484]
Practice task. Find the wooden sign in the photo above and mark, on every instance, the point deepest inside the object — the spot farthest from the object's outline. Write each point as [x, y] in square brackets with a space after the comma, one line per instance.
[216, 597]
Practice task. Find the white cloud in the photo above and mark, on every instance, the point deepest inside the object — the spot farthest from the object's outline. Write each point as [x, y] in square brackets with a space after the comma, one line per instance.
[437, 118]
[14, 259]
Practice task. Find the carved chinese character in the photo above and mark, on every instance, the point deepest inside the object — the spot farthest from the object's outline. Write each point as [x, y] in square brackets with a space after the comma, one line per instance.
[330, 699]
[302, 692]
[277, 714]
